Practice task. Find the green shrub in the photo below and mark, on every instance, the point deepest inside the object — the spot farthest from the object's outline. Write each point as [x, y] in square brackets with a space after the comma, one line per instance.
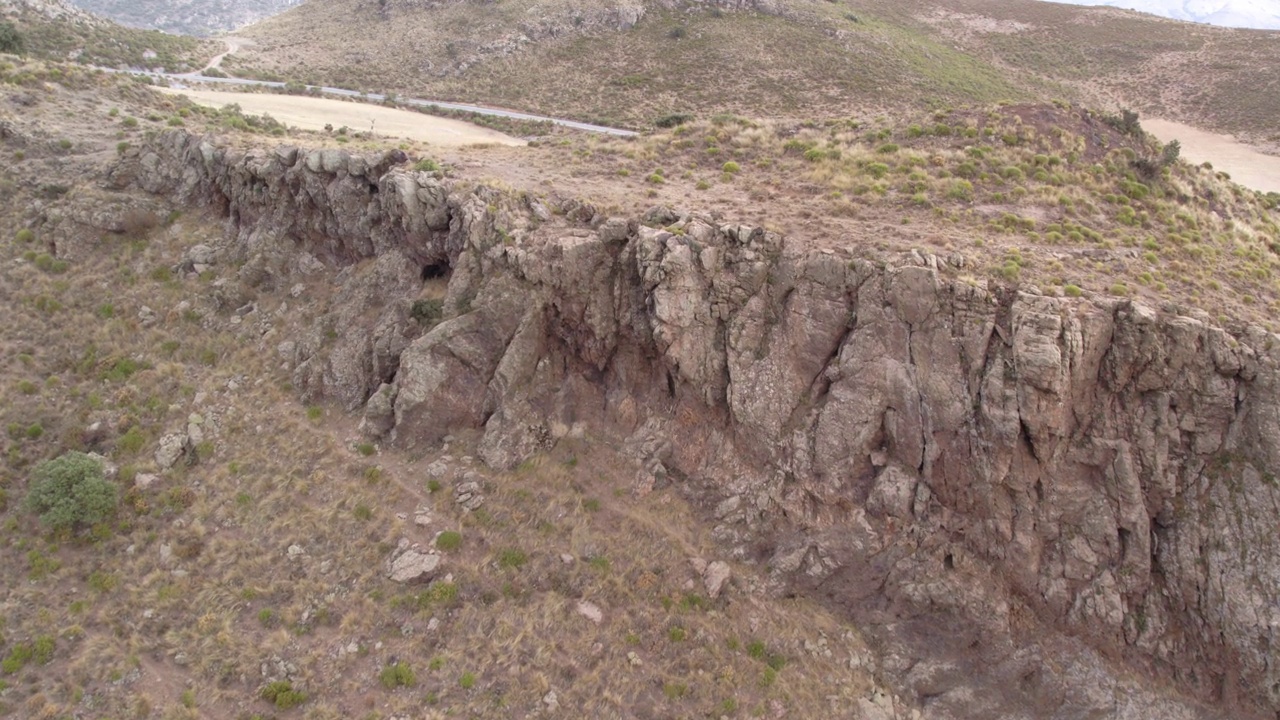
[122, 369]
[731, 167]
[11, 41]
[69, 492]
[397, 675]
[672, 120]
[512, 558]
[19, 656]
[960, 190]
[25, 235]
[51, 264]
[449, 540]
[427, 311]
[426, 165]
[102, 582]
[467, 681]
[888, 148]
[132, 441]
[282, 695]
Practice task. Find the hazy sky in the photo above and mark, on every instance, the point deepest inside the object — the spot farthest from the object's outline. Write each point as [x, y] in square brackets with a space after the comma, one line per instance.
[1263, 14]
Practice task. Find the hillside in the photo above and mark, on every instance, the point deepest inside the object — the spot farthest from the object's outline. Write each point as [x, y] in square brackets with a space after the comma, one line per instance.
[186, 17]
[633, 63]
[959, 412]
[56, 30]
[890, 372]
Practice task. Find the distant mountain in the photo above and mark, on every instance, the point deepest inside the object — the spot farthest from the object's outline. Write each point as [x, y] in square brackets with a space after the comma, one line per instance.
[56, 30]
[186, 17]
[47, 10]
[1258, 14]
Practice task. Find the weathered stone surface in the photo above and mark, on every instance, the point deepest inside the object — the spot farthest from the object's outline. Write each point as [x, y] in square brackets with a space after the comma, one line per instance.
[172, 448]
[468, 494]
[379, 412]
[715, 576]
[413, 566]
[590, 611]
[906, 443]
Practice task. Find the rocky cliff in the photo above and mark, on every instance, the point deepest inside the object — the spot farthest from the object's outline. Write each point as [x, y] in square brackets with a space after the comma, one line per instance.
[1039, 506]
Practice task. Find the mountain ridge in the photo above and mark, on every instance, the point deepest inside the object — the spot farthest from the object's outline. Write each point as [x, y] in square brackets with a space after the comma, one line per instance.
[187, 17]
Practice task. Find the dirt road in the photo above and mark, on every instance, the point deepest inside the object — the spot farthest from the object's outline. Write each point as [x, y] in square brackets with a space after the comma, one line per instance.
[312, 113]
[1245, 165]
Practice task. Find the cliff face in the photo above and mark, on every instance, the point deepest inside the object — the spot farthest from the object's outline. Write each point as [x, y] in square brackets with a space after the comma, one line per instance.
[1023, 498]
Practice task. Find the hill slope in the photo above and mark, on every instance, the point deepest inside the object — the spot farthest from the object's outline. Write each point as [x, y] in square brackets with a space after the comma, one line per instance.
[57, 30]
[633, 62]
[944, 398]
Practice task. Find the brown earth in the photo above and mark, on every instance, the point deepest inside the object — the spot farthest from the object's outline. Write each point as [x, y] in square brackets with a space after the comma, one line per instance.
[313, 113]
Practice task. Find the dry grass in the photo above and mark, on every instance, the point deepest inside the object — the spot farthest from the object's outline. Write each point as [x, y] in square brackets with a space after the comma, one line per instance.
[1040, 197]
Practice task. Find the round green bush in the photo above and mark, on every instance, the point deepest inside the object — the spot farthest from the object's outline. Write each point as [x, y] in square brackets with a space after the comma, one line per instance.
[69, 492]
[449, 540]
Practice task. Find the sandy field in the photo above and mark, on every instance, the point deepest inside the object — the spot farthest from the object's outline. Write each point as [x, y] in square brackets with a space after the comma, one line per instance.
[311, 113]
[1245, 165]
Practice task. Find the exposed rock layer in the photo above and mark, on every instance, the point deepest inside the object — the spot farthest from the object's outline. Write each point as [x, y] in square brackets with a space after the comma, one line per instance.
[1043, 485]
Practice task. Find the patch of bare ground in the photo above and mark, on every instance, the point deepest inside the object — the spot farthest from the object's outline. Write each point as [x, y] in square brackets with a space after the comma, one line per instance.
[317, 113]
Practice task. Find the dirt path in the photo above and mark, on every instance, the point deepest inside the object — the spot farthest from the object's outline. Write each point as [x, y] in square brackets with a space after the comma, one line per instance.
[1246, 165]
[312, 113]
[233, 44]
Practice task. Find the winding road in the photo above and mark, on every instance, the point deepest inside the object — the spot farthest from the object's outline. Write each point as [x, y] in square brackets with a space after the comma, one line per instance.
[234, 44]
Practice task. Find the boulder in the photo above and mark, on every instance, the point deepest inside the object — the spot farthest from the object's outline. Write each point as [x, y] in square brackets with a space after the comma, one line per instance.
[413, 566]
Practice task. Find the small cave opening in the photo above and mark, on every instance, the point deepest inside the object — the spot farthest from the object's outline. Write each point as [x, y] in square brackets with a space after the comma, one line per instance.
[435, 271]
[428, 309]
[949, 562]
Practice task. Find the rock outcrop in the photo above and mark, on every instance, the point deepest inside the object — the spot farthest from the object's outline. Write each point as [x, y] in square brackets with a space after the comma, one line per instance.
[1009, 491]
